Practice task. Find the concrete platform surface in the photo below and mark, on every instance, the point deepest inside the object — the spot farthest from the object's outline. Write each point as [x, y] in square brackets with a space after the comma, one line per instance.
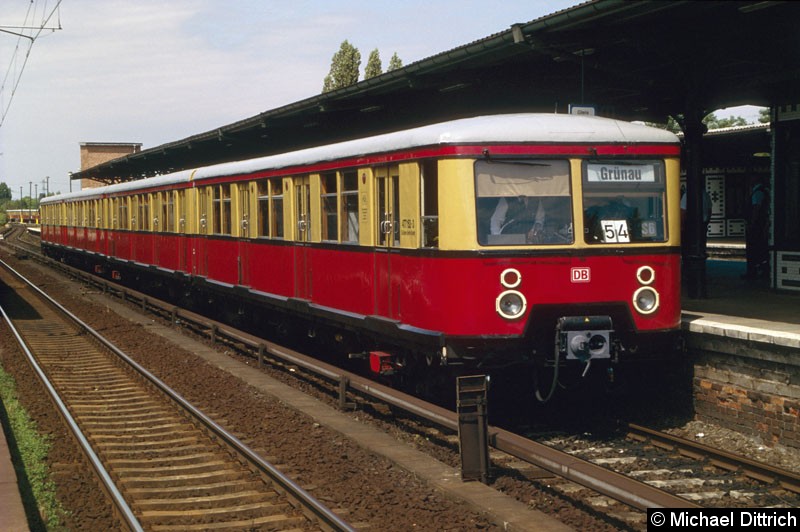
[12, 513]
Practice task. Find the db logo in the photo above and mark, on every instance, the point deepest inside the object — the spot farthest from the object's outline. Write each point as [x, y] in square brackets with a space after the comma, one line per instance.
[580, 275]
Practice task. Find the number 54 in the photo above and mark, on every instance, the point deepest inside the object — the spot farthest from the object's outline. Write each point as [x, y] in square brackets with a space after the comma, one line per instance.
[615, 231]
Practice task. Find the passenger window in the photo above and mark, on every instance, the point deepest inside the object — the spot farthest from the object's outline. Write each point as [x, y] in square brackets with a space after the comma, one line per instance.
[122, 213]
[276, 209]
[330, 222]
[350, 206]
[202, 200]
[263, 208]
[144, 213]
[135, 213]
[181, 211]
[523, 202]
[168, 212]
[430, 204]
[222, 210]
[90, 218]
[270, 208]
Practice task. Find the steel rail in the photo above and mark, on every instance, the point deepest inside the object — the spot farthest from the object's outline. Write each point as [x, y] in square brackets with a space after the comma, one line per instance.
[123, 510]
[725, 460]
[319, 512]
[619, 487]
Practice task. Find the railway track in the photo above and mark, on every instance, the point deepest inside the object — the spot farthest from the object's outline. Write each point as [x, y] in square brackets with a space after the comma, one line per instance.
[689, 470]
[616, 478]
[165, 464]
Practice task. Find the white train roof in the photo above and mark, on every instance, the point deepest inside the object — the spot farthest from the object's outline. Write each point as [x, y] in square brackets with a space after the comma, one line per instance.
[493, 129]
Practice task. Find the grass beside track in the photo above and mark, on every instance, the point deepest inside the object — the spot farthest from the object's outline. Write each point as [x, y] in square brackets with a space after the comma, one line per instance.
[29, 451]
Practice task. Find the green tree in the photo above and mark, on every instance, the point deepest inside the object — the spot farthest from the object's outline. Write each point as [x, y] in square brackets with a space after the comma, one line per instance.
[374, 67]
[344, 68]
[763, 115]
[5, 193]
[712, 122]
[395, 62]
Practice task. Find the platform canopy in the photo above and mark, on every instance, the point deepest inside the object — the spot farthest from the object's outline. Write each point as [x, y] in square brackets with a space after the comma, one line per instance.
[641, 60]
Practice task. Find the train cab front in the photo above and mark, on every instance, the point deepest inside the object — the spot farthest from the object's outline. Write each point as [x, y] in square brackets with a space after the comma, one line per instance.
[581, 258]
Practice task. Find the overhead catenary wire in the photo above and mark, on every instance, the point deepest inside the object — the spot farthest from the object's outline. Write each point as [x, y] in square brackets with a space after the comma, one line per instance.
[35, 32]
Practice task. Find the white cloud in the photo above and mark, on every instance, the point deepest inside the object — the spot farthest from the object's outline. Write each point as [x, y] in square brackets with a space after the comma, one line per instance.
[153, 72]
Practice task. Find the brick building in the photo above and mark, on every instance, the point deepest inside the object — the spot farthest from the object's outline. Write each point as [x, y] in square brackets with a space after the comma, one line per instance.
[95, 153]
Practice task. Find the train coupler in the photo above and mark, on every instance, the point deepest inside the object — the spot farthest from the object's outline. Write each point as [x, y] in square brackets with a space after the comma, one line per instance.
[585, 337]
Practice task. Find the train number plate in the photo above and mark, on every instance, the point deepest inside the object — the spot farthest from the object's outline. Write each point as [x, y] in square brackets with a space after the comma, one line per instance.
[615, 231]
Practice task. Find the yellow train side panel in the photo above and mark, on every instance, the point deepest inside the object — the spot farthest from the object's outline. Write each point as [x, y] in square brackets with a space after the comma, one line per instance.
[457, 225]
[410, 213]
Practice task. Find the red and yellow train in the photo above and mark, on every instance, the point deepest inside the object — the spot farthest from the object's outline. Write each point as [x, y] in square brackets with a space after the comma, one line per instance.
[551, 240]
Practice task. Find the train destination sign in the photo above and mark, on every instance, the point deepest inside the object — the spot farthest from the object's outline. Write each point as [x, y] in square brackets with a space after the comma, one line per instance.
[620, 173]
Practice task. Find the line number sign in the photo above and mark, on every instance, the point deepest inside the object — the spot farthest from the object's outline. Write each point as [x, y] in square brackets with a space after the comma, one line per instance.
[615, 231]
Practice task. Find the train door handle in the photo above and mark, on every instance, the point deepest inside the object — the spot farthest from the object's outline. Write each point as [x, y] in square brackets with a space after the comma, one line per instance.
[386, 224]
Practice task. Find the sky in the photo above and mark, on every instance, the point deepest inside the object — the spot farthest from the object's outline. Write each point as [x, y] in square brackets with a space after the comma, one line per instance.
[153, 72]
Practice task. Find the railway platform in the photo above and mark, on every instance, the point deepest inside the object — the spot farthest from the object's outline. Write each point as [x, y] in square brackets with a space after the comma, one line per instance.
[743, 342]
[12, 512]
[737, 302]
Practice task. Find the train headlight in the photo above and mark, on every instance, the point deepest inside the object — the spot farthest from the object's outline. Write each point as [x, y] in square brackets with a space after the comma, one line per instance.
[645, 300]
[510, 278]
[511, 304]
[646, 275]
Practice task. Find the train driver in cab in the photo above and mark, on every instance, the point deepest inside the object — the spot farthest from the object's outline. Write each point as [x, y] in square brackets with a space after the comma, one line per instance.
[520, 215]
[523, 202]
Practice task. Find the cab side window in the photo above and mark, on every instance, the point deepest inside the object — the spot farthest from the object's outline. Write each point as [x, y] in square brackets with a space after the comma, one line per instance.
[430, 204]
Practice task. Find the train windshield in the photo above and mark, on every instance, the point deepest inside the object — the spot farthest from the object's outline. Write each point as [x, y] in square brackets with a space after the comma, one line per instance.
[623, 202]
[523, 202]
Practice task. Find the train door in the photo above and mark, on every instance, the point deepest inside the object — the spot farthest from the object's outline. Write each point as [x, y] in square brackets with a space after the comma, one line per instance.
[302, 236]
[244, 233]
[387, 212]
